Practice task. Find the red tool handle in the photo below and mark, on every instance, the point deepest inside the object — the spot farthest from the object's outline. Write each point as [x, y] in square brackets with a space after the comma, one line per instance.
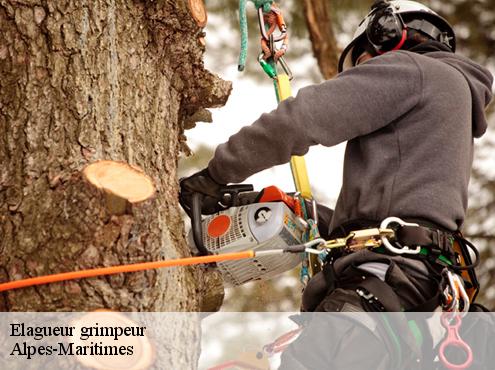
[453, 339]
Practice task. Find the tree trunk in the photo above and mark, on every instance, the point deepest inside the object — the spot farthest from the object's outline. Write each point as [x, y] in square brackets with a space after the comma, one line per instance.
[321, 34]
[83, 81]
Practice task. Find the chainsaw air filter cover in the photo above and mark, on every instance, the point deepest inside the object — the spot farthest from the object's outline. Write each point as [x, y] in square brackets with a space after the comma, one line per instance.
[258, 226]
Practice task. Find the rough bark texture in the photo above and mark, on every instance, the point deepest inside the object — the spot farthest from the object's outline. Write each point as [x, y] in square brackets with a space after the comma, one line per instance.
[82, 81]
[324, 44]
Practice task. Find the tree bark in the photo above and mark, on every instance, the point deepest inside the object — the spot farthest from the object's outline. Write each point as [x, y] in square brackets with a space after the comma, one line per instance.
[322, 36]
[83, 81]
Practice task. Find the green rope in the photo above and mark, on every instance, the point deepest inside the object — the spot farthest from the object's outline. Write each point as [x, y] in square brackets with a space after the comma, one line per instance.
[266, 5]
[244, 35]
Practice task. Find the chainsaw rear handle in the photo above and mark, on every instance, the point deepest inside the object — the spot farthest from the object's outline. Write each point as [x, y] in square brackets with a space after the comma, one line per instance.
[197, 201]
[197, 228]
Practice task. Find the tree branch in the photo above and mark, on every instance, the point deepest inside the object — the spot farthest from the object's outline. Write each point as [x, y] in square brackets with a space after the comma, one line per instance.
[480, 236]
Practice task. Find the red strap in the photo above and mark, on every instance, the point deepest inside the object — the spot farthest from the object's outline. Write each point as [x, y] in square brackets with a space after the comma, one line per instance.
[399, 45]
[403, 40]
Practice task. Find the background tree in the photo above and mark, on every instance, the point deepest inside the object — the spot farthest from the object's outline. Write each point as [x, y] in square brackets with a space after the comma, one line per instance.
[322, 36]
[81, 82]
[474, 22]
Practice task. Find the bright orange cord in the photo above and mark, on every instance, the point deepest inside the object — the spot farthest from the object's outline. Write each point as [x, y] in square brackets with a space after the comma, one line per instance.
[47, 279]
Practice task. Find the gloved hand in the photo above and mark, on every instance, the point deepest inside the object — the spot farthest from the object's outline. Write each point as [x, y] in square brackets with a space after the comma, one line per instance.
[201, 182]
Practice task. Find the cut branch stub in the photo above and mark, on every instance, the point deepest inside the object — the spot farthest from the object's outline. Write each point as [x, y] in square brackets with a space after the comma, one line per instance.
[198, 12]
[123, 184]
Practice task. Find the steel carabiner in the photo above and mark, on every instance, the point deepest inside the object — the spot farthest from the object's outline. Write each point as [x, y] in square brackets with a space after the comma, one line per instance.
[264, 34]
[286, 68]
[457, 292]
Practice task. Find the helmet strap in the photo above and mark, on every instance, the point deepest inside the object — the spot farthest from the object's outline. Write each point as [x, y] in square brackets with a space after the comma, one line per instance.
[399, 45]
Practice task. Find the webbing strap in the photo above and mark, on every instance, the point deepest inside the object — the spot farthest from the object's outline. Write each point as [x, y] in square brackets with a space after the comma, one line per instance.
[383, 292]
[437, 245]
[284, 90]
[300, 176]
[297, 164]
[426, 237]
[390, 300]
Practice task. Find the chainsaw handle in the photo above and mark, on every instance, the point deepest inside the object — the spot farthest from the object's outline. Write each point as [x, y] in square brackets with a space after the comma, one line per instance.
[232, 193]
[197, 228]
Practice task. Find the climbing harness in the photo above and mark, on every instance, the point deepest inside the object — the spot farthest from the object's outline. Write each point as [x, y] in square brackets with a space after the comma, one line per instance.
[378, 295]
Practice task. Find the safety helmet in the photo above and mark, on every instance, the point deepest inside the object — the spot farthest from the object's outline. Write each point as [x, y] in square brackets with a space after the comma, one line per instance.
[385, 29]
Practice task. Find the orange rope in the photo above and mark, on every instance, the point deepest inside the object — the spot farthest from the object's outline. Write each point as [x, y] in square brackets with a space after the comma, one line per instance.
[82, 274]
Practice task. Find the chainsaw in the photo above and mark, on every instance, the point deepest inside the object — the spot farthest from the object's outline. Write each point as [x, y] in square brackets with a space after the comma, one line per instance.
[269, 221]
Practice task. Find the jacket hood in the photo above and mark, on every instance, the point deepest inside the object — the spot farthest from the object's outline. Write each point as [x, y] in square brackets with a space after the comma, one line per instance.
[480, 82]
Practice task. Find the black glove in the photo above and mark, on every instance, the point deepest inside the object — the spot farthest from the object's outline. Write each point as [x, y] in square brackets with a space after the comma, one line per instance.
[201, 182]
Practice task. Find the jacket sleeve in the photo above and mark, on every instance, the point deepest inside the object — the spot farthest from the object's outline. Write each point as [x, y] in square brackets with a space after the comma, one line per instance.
[355, 103]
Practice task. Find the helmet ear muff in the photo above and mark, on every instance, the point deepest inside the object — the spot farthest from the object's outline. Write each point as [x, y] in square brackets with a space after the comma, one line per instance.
[386, 30]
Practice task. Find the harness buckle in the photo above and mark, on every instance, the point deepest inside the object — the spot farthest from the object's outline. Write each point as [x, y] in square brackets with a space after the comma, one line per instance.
[361, 239]
[367, 238]
[404, 249]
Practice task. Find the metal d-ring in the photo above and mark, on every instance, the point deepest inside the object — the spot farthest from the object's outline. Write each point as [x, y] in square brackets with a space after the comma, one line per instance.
[405, 249]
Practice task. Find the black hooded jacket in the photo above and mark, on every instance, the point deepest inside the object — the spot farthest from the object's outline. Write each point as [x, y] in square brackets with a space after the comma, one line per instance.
[409, 118]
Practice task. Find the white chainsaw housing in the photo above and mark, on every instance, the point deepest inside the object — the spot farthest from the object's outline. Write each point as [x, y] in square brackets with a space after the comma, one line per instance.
[258, 226]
